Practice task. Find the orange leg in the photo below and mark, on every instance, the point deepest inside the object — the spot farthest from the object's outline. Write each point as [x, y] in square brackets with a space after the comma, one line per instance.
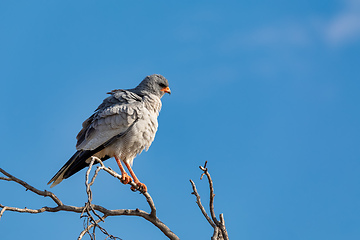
[136, 180]
[125, 178]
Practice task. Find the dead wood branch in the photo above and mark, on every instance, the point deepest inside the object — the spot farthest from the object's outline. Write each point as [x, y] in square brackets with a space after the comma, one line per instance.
[92, 211]
[220, 232]
[95, 214]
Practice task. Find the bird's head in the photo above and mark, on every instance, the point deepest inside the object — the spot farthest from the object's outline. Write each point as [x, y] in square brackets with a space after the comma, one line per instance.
[155, 84]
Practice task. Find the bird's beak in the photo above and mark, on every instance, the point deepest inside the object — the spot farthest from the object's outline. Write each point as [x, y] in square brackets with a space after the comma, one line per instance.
[166, 90]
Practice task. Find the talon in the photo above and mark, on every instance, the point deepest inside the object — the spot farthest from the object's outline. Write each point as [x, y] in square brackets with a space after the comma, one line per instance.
[141, 186]
[125, 179]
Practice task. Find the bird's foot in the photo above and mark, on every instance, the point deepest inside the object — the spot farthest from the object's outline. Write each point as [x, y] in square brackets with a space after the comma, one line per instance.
[125, 178]
[141, 186]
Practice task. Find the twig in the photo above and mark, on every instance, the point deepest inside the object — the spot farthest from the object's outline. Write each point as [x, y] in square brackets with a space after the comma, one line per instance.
[2, 210]
[89, 208]
[151, 217]
[87, 229]
[212, 195]
[5, 179]
[217, 225]
[195, 192]
[215, 235]
[136, 187]
[31, 188]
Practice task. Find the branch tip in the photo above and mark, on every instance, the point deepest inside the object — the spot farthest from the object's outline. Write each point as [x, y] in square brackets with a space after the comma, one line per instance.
[220, 232]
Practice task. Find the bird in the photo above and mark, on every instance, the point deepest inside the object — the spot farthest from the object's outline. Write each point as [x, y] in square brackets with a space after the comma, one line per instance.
[123, 125]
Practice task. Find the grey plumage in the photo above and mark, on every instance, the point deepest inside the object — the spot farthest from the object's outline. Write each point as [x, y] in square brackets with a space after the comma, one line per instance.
[122, 126]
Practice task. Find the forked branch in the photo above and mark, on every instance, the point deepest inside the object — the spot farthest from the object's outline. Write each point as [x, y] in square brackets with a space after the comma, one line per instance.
[95, 214]
[90, 211]
[220, 231]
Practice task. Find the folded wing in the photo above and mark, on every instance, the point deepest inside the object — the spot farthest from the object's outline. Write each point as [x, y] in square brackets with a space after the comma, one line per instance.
[114, 117]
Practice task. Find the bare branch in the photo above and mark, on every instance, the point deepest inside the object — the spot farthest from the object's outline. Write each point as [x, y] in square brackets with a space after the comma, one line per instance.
[66, 208]
[195, 192]
[31, 188]
[217, 225]
[212, 195]
[133, 184]
[87, 229]
[5, 179]
[215, 235]
[89, 207]
[2, 210]
[92, 222]
[222, 220]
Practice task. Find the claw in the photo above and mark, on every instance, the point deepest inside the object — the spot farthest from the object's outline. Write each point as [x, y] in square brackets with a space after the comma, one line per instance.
[125, 179]
[141, 186]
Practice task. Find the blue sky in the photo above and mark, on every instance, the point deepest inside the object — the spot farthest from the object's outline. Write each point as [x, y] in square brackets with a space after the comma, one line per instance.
[266, 91]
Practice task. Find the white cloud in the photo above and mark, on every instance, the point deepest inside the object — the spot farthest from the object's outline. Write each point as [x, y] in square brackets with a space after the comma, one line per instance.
[340, 29]
[345, 26]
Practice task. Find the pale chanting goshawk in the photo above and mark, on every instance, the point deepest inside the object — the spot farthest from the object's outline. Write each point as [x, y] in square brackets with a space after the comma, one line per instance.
[122, 127]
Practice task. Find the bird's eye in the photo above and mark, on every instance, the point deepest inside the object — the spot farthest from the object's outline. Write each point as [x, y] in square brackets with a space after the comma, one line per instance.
[162, 85]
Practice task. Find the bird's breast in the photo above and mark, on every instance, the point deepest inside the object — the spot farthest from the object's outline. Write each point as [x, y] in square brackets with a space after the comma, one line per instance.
[138, 138]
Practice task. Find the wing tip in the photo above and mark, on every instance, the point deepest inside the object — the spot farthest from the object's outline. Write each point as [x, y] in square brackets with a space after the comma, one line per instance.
[56, 180]
[60, 175]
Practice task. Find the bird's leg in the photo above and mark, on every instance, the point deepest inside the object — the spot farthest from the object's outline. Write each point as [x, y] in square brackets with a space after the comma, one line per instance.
[136, 180]
[125, 178]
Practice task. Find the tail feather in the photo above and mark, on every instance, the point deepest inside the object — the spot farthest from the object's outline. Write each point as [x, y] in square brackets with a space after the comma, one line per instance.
[75, 164]
[78, 161]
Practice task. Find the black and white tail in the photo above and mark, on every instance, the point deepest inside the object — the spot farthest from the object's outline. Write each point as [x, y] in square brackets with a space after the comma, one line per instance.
[75, 164]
